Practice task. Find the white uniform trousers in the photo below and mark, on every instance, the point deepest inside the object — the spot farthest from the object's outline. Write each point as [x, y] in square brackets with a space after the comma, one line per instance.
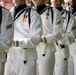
[61, 65]
[46, 63]
[2, 62]
[72, 60]
[70, 66]
[2, 65]
[17, 67]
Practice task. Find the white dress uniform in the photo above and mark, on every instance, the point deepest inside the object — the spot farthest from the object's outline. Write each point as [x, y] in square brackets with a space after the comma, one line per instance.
[6, 35]
[26, 38]
[52, 30]
[62, 54]
[72, 48]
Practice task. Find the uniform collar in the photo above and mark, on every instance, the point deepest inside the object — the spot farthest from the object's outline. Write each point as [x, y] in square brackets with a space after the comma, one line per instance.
[40, 8]
[60, 8]
[18, 8]
[72, 9]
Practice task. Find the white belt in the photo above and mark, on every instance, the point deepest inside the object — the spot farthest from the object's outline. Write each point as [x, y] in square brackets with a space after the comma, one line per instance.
[16, 44]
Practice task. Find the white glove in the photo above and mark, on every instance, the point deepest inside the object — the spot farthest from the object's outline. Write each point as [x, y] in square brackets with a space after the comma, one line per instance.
[23, 43]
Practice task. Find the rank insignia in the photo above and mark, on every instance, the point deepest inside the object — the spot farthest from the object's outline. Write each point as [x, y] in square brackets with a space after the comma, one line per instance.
[24, 18]
[58, 22]
[47, 15]
[8, 26]
[63, 18]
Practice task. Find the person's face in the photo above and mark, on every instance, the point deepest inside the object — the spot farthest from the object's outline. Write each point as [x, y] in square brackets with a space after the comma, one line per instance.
[56, 3]
[2, 0]
[27, 1]
[7, 0]
[38, 2]
[18, 2]
[46, 1]
[72, 2]
[66, 4]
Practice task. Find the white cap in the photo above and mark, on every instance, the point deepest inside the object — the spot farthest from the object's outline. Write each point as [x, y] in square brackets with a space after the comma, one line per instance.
[66, 1]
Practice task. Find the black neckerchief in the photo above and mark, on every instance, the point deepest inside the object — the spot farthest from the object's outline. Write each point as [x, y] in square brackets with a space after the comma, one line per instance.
[18, 8]
[60, 8]
[40, 8]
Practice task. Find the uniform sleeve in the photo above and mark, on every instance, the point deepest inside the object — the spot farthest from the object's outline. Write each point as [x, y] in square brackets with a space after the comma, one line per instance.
[35, 33]
[7, 33]
[57, 29]
[69, 36]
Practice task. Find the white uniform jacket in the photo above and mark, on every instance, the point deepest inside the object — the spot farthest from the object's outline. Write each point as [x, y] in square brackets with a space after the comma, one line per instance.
[52, 27]
[74, 14]
[6, 32]
[69, 27]
[28, 36]
[52, 31]
[72, 46]
[68, 36]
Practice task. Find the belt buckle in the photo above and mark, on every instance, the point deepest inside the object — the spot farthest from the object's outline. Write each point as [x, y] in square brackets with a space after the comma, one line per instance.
[16, 43]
